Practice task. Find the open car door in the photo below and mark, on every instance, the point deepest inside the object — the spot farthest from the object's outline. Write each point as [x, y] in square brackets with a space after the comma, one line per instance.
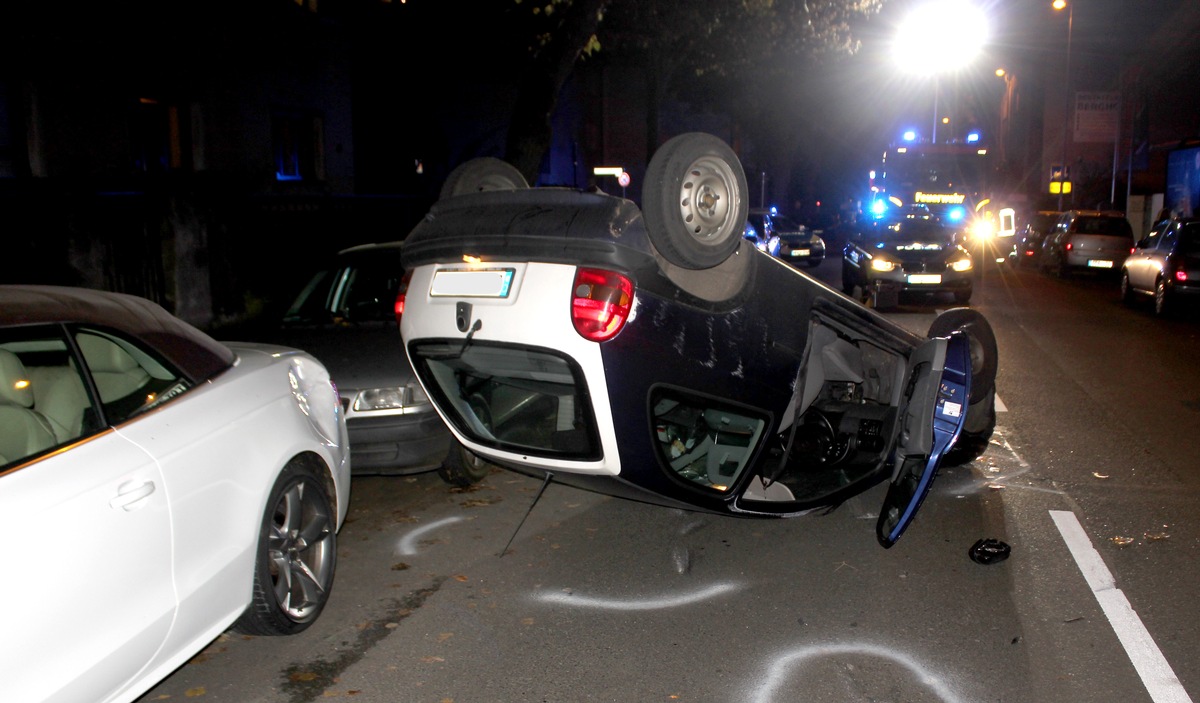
[937, 394]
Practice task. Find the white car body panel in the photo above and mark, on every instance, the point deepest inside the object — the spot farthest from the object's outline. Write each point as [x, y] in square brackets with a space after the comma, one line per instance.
[72, 556]
[537, 310]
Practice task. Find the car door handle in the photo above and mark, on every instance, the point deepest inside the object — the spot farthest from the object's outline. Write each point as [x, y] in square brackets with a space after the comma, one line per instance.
[129, 496]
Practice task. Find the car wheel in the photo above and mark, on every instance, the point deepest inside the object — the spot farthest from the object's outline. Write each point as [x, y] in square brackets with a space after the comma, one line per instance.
[463, 467]
[1162, 298]
[847, 281]
[984, 353]
[480, 174]
[694, 201]
[976, 433]
[295, 557]
[1126, 289]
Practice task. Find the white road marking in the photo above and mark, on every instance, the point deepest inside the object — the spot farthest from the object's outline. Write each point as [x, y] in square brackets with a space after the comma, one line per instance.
[1160, 680]
[1000, 406]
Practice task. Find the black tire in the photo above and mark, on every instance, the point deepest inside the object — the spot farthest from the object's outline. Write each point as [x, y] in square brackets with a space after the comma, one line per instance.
[462, 467]
[985, 356]
[694, 201]
[1126, 289]
[976, 433]
[480, 174]
[847, 280]
[1163, 305]
[296, 556]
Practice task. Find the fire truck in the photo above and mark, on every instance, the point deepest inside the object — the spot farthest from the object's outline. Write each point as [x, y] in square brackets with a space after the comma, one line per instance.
[952, 180]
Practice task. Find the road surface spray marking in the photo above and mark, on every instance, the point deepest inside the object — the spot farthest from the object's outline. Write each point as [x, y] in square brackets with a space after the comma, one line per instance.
[408, 545]
[785, 667]
[659, 603]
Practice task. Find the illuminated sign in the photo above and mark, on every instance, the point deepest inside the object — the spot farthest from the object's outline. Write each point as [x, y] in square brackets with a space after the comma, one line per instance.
[940, 198]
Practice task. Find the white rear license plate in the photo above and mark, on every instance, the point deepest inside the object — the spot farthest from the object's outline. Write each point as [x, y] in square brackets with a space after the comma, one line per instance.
[1100, 263]
[800, 252]
[925, 278]
[472, 283]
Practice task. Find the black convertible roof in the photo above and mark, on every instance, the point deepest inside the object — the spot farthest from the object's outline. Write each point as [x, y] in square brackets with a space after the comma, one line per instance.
[195, 353]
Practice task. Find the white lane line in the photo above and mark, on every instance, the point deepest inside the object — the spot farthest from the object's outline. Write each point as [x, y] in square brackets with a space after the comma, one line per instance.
[1160, 680]
[1000, 406]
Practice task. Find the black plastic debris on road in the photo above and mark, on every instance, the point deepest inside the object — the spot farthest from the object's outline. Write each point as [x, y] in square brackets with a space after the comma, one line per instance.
[989, 551]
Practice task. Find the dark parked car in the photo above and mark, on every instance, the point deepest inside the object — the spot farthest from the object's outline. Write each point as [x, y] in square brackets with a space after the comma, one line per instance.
[1164, 266]
[346, 316]
[916, 255]
[798, 245]
[651, 353]
[760, 231]
[1087, 240]
[1028, 245]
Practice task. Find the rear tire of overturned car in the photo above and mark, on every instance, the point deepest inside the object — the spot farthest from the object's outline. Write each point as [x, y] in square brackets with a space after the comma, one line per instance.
[463, 467]
[481, 174]
[984, 353]
[694, 201]
[980, 422]
[295, 558]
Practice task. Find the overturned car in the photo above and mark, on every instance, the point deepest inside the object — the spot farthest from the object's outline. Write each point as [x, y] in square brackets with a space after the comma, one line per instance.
[652, 353]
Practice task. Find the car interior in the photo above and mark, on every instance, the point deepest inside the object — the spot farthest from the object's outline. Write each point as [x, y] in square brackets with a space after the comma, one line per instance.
[44, 402]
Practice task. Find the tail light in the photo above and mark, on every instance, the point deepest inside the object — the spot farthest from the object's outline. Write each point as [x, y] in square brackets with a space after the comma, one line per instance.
[600, 303]
[1181, 275]
[1069, 246]
[401, 294]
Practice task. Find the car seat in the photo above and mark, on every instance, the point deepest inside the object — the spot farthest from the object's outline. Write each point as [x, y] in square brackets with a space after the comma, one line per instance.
[23, 431]
[116, 373]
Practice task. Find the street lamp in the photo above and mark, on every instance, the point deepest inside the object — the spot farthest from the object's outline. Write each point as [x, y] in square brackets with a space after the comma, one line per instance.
[1059, 5]
[937, 38]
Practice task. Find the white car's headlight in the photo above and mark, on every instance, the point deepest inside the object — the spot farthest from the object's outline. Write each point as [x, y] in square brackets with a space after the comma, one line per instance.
[883, 265]
[961, 265]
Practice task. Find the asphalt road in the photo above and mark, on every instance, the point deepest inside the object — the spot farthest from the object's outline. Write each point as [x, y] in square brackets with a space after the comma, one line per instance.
[602, 599]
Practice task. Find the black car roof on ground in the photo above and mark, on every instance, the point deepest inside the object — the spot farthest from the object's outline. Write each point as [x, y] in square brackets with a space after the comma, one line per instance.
[195, 353]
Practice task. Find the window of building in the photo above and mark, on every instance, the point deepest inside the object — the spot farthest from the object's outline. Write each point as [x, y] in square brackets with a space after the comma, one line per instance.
[298, 143]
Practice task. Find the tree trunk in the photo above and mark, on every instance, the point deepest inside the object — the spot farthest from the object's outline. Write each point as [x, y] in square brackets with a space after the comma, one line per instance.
[530, 130]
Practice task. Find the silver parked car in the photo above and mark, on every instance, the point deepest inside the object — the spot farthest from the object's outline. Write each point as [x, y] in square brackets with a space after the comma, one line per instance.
[1164, 265]
[1087, 240]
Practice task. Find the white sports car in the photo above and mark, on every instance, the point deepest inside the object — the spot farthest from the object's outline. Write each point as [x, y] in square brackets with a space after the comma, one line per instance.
[157, 487]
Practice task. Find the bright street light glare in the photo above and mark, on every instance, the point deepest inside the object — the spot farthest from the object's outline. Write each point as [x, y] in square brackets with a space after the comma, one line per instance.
[940, 36]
